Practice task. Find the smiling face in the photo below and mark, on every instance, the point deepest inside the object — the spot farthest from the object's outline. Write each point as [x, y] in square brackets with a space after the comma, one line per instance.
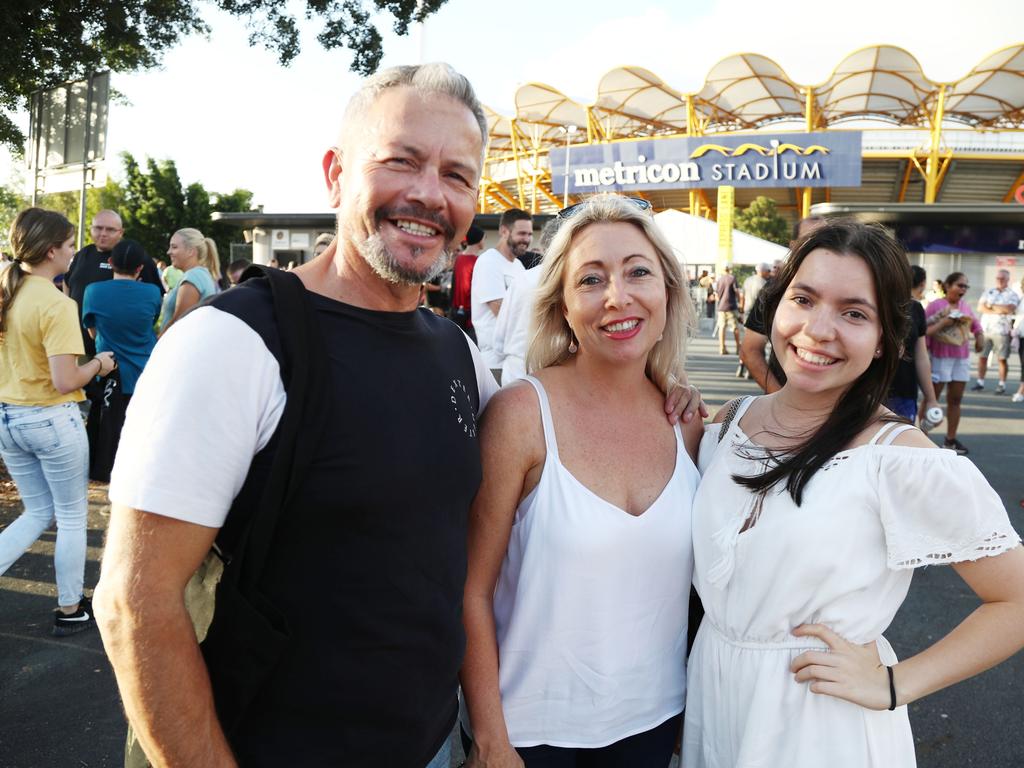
[519, 237]
[614, 292]
[182, 257]
[826, 329]
[405, 182]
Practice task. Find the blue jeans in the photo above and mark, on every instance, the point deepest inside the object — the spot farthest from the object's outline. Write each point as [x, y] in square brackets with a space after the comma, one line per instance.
[47, 455]
[443, 758]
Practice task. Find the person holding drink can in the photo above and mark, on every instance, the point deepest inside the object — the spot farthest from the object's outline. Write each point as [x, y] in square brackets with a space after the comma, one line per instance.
[951, 323]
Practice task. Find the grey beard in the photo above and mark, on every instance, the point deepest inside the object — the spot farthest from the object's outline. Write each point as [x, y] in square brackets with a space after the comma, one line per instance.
[387, 267]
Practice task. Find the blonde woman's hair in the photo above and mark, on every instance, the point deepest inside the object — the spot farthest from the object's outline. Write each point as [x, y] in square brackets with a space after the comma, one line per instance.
[549, 332]
[206, 249]
[33, 233]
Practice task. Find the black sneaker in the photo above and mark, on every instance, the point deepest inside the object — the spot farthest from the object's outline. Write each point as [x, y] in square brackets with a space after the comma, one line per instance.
[956, 445]
[65, 624]
[977, 386]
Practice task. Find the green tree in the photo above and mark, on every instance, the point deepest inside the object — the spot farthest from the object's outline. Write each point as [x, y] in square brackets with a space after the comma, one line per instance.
[11, 201]
[47, 42]
[155, 205]
[762, 219]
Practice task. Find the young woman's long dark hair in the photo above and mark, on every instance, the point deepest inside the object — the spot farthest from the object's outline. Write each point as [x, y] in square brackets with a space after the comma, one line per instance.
[857, 407]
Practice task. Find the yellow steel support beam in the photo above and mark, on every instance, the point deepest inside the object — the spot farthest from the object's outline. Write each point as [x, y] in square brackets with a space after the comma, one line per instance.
[943, 167]
[546, 191]
[931, 186]
[805, 203]
[493, 189]
[906, 181]
[516, 139]
[1013, 187]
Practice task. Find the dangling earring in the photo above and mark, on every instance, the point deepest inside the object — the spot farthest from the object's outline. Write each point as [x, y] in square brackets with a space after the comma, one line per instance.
[573, 346]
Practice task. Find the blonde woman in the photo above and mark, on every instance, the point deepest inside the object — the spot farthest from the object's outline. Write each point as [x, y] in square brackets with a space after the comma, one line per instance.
[579, 538]
[42, 438]
[196, 257]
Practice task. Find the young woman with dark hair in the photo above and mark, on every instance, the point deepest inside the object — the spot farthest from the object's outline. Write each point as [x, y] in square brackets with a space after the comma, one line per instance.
[815, 505]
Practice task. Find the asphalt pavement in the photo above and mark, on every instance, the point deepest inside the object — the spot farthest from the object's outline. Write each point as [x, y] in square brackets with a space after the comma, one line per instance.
[59, 704]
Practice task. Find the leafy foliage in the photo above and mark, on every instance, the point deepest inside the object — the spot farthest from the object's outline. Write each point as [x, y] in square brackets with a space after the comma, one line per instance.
[762, 219]
[156, 206]
[151, 201]
[48, 42]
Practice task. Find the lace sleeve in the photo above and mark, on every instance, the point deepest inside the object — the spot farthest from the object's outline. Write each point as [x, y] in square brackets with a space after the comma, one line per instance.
[937, 508]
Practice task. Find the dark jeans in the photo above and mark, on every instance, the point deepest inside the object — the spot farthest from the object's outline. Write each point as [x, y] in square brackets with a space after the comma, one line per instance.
[650, 749]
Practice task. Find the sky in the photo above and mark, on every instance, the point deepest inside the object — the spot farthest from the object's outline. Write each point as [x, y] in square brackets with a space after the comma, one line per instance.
[230, 116]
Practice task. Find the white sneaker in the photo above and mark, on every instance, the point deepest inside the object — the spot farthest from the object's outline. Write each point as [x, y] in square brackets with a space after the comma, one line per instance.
[1017, 398]
[1001, 388]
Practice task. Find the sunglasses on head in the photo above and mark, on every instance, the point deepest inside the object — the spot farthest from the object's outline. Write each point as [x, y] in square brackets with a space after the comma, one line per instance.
[572, 210]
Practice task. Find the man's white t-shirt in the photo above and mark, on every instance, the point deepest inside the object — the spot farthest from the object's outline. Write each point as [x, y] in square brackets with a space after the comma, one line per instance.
[492, 276]
[512, 331]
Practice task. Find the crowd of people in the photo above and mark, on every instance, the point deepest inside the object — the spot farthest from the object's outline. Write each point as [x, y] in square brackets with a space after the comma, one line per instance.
[383, 524]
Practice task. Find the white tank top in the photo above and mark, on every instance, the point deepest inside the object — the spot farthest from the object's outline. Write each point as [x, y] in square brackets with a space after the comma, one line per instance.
[590, 608]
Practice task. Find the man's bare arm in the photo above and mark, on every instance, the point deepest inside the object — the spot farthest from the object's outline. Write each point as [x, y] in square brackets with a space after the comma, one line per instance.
[752, 354]
[495, 306]
[140, 610]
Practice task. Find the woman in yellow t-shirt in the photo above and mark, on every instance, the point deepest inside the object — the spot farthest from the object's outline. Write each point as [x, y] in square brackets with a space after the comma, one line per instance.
[42, 438]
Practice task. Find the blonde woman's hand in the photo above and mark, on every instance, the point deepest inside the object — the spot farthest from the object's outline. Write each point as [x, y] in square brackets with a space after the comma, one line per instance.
[684, 402]
[502, 757]
[846, 671]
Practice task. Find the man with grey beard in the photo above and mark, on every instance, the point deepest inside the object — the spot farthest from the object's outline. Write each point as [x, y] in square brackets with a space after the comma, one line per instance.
[361, 584]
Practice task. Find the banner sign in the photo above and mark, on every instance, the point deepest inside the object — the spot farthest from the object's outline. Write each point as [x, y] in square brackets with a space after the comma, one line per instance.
[831, 159]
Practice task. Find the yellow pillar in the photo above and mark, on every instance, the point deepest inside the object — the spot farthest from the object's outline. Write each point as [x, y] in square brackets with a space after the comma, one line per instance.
[931, 178]
[726, 204]
[805, 200]
[692, 129]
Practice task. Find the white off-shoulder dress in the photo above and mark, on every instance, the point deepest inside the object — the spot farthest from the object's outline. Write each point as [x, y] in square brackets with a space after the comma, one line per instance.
[844, 558]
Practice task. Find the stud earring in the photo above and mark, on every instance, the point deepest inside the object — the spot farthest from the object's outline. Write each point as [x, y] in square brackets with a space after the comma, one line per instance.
[878, 353]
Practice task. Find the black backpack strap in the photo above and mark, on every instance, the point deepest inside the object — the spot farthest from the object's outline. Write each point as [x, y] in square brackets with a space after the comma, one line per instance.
[248, 634]
[305, 377]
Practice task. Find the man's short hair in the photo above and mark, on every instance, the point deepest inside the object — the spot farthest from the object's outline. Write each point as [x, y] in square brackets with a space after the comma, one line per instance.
[511, 216]
[917, 275]
[764, 266]
[474, 235]
[431, 79]
[238, 265]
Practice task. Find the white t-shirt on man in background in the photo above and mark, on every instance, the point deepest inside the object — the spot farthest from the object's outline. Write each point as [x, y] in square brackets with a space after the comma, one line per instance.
[492, 276]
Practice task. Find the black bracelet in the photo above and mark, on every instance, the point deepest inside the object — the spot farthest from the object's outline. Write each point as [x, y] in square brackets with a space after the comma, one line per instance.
[892, 690]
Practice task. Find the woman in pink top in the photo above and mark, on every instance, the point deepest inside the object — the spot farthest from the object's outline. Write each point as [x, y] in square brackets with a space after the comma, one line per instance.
[951, 322]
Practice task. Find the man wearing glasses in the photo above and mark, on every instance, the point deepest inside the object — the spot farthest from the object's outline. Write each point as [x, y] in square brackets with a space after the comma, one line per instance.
[92, 263]
[996, 307]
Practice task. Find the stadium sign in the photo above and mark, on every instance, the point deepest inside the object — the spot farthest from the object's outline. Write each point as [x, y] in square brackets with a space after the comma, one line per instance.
[830, 159]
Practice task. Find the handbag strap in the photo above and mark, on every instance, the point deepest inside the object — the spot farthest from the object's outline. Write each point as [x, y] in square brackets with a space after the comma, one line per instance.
[732, 408]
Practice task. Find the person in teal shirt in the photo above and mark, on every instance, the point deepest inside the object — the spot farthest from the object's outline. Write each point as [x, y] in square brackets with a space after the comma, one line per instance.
[120, 313]
[196, 256]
